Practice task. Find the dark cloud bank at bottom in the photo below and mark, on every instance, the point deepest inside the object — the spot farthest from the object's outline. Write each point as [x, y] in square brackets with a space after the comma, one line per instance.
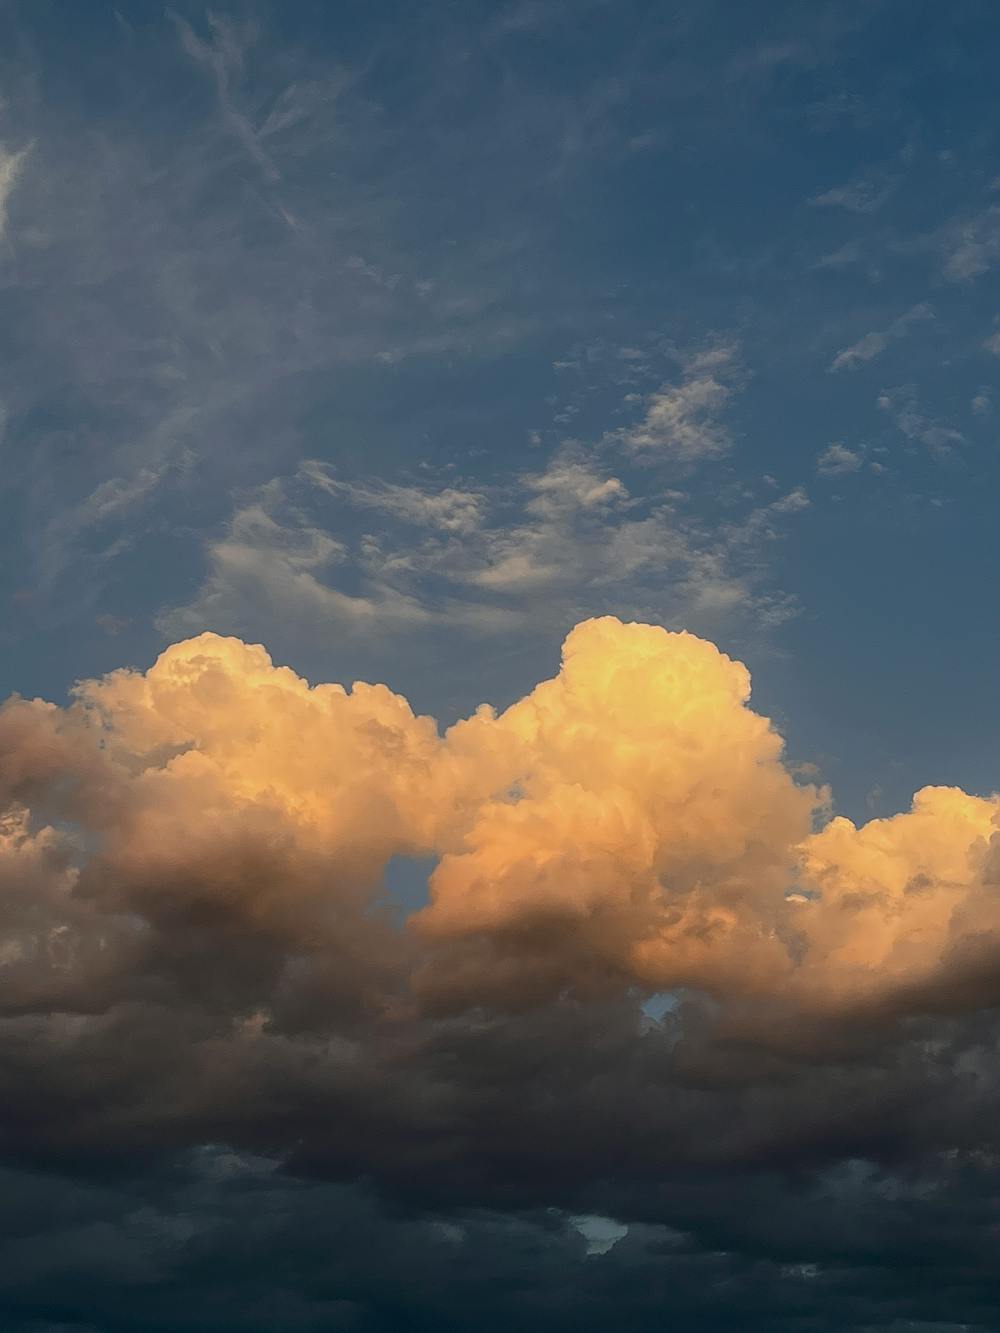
[760, 1190]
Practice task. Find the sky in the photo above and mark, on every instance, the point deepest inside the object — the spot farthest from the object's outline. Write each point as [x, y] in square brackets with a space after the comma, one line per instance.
[497, 776]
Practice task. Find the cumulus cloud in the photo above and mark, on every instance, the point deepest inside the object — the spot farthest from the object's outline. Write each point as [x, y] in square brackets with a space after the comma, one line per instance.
[907, 906]
[628, 823]
[629, 861]
[199, 948]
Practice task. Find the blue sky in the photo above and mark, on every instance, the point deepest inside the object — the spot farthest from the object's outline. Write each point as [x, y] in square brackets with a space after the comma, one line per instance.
[446, 250]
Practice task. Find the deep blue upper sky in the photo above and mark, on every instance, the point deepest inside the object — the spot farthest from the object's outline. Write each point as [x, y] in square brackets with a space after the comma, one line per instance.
[315, 317]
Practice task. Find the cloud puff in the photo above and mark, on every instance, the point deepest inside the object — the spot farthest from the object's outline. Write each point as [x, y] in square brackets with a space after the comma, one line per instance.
[649, 833]
[906, 907]
[836, 459]
[628, 823]
[684, 420]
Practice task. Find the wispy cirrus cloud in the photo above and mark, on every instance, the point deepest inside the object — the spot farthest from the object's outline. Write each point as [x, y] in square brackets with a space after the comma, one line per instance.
[224, 55]
[873, 344]
[864, 195]
[11, 166]
[450, 509]
[903, 406]
[971, 246]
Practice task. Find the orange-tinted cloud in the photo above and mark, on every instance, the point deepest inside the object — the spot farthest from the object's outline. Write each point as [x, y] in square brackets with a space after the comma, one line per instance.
[644, 828]
[628, 823]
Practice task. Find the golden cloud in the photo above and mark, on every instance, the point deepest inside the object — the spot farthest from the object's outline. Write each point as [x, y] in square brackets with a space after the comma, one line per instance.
[629, 823]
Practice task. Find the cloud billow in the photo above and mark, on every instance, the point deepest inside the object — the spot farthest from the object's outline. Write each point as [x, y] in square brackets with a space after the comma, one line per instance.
[198, 950]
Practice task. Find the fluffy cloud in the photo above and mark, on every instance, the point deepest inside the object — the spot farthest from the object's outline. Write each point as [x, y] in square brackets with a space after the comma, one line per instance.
[199, 948]
[649, 830]
[906, 907]
[628, 823]
[837, 459]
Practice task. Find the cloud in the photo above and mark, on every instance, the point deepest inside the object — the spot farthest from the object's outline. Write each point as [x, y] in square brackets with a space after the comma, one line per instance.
[450, 509]
[225, 56]
[583, 854]
[836, 459]
[239, 1094]
[573, 520]
[272, 566]
[873, 345]
[206, 987]
[565, 541]
[865, 195]
[11, 165]
[909, 899]
[629, 822]
[909, 417]
[971, 246]
[683, 421]
[224, 1242]
[223, 239]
